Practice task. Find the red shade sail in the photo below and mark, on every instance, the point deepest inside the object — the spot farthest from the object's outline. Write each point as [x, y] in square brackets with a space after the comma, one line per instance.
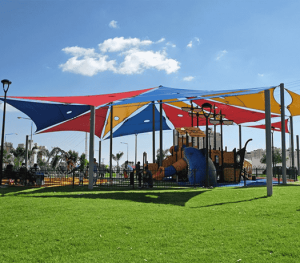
[93, 100]
[238, 115]
[276, 126]
[82, 123]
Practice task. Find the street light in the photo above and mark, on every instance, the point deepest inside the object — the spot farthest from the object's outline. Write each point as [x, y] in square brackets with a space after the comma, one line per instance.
[127, 150]
[6, 84]
[206, 108]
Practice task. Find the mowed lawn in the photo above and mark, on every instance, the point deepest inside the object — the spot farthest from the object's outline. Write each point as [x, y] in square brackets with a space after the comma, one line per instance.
[63, 224]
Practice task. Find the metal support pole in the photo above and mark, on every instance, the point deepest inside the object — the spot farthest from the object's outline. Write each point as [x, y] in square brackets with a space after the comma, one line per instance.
[2, 138]
[298, 160]
[91, 155]
[222, 152]
[26, 153]
[206, 154]
[240, 136]
[160, 135]
[99, 153]
[215, 136]
[292, 142]
[135, 159]
[283, 148]
[153, 131]
[192, 123]
[197, 127]
[111, 142]
[268, 143]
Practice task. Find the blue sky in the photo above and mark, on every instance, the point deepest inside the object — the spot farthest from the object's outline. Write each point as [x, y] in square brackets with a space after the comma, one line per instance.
[67, 48]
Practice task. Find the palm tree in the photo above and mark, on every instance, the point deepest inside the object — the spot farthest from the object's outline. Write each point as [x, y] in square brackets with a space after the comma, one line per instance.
[71, 158]
[56, 155]
[117, 157]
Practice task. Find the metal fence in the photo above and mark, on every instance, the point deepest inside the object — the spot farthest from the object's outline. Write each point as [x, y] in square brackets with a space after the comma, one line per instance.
[117, 178]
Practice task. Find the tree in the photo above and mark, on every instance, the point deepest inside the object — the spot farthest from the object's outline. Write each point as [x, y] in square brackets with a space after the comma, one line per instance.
[19, 155]
[117, 157]
[71, 158]
[277, 157]
[83, 162]
[56, 155]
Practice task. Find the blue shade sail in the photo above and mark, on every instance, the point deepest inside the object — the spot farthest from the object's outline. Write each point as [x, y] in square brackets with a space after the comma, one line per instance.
[165, 93]
[140, 123]
[48, 114]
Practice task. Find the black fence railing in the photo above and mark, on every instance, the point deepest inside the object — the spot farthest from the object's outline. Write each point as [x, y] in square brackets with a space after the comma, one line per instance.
[126, 178]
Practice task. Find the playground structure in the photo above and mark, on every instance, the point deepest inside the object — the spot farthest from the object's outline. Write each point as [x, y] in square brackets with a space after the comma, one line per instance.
[187, 162]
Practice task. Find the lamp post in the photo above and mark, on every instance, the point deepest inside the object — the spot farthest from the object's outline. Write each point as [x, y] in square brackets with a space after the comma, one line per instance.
[127, 149]
[6, 84]
[206, 108]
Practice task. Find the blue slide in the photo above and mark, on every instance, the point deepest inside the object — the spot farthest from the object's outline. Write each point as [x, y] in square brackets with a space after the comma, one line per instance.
[196, 164]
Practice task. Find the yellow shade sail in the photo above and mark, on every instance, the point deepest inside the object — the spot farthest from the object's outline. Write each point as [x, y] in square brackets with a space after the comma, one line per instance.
[253, 101]
[120, 113]
[294, 107]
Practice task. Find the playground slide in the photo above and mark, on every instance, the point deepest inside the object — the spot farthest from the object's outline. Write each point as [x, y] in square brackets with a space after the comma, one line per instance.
[194, 159]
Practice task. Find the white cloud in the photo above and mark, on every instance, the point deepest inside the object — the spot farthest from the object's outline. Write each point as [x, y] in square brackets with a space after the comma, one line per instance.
[88, 66]
[190, 45]
[189, 78]
[221, 54]
[113, 24]
[120, 43]
[170, 44]
[136, 61]
[79, 51]
[261, 75]
[161, 40]
[86, 61]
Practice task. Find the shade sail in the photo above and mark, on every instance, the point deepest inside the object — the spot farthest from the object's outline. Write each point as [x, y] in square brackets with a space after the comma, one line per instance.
[276, 126]
[46, 114]
[294, 107]
[141, 122]
[82, 123]
[120, 113]
[130, 107]
[93, 100]
[180, 118]
[253, 101]
[236, 114]
[168, 94]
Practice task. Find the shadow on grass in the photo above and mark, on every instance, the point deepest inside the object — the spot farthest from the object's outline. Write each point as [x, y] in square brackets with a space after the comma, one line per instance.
[233, 202]
[176, 197]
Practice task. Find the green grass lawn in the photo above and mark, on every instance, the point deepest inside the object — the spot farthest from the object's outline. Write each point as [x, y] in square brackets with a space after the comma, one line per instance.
[63, 224]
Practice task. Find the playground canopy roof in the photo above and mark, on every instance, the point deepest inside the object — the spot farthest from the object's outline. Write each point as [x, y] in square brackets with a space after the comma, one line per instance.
[133, 110]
